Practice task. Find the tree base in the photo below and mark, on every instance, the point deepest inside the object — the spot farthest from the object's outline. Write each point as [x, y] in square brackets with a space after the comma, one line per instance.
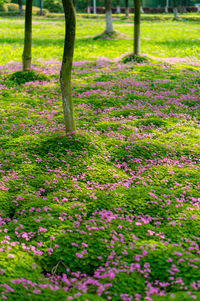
[131, 57]
[22, 77]
[113, 35]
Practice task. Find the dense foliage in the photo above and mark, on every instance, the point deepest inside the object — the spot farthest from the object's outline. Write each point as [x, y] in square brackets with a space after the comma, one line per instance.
[53, 5]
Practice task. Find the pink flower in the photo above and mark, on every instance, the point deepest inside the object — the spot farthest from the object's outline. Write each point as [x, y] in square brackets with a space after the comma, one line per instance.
[79, 255]
[11, 256]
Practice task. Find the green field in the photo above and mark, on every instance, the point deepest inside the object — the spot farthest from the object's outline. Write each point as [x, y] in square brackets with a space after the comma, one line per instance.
[158, 39]
[111, 212]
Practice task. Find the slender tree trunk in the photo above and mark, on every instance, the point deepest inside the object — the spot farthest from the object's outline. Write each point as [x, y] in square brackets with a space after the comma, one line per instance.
[20, 7]
[126, 8]
[41, 13]
[118, 10]
[137, 27]
[175, 10]
[88, 7]
[141, 7]
[175, 13]
[94, 7]
[66, 68]
[88, 10]
[27, 36]
[109, 25]
[166, 7]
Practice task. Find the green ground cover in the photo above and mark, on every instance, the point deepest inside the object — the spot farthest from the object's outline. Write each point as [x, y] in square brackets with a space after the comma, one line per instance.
[111, 213]
[159, 39]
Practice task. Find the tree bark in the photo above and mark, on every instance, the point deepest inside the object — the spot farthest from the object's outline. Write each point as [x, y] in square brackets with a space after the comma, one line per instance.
[141, 7]
[175, 10]
[27, 36]
[109, 25]
[88, 10]
[66, 68]
[137, 27]
[166, 7]
[94, 7]
[175, 13]
[126, 8]
[118, 10]
[20, 7]
[88, 7]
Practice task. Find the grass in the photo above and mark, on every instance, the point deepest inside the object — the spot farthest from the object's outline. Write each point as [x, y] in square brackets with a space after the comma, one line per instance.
[181, 39]
[111, 213]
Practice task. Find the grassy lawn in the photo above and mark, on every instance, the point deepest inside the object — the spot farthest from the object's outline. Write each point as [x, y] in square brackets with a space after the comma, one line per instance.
[158, 39]
[111, 213]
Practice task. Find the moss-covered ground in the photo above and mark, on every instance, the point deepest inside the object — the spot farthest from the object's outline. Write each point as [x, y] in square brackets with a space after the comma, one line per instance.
[112, 212]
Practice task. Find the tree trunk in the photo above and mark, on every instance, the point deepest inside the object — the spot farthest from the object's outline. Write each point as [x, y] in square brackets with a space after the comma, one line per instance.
[41, 12]
[166, 7]
[20, 7]
[27, 36]
[94, 7]
[141, 7]
[175, 11]
[141, 10]
[66, 68]
[109, 25]
[88, 7]
[126, 8]
[118, 10]
[137, 27]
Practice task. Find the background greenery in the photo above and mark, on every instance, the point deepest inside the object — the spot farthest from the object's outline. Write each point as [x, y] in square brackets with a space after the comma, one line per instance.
[159, 39]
